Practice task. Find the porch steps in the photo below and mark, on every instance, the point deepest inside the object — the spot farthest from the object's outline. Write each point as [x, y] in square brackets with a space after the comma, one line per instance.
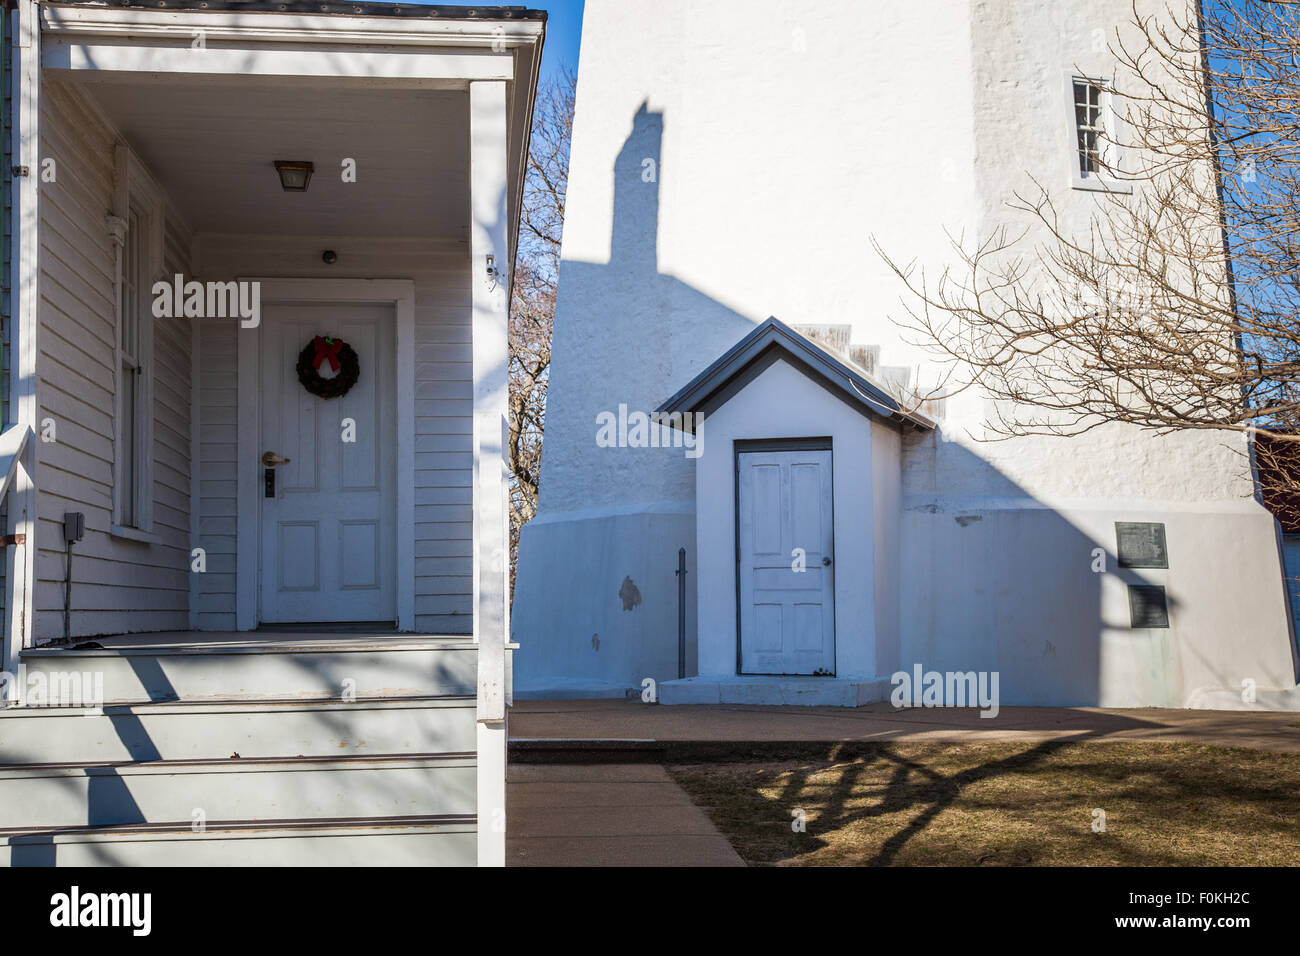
[104, 794]
[429, 840]
[287, 751]
[188, 730]
[258, 669]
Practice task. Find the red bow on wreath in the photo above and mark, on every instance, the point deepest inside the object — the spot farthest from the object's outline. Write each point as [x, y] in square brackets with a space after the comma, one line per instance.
[326, 349]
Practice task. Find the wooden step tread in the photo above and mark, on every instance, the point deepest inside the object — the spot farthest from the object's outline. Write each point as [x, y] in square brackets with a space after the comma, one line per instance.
[345, 761]
[246, 705]
[227, 829]
[288, 646]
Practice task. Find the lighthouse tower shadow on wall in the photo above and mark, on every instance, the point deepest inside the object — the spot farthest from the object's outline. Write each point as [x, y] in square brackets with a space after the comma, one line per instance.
[596, 609]
[595, 606]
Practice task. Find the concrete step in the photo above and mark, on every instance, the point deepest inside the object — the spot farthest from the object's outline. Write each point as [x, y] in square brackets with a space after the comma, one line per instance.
[249, 670]
[304, 788]
[446, 840]
[188, 730]
[776, 690]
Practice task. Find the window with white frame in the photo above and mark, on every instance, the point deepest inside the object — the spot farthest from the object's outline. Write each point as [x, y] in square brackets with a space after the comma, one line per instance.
[1089, 127]
[1096, 162]
[137, 232]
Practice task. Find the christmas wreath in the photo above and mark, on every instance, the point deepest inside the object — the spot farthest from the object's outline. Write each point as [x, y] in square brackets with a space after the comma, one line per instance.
[341, 358]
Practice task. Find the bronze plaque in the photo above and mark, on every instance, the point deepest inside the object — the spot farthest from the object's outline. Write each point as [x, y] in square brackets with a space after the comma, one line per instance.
[1147, 606]
[1141, 544]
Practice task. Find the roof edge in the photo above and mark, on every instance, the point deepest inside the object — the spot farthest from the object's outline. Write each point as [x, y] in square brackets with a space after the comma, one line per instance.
[773, 333]
[365, 8]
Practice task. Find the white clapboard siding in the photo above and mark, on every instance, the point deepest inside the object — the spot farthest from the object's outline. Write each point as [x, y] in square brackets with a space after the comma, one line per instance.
[214, 591]
[443, 406]
[118, 585]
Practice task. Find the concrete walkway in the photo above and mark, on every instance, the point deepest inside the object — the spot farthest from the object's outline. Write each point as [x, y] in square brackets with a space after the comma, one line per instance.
[534, 722]
[633, 814]
[606, 815]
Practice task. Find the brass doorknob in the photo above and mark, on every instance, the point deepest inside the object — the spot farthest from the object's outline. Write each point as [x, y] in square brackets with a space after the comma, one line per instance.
[270, 459]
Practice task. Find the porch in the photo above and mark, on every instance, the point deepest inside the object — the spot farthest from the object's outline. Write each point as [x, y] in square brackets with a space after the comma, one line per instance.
[218, 492]
[273, 179]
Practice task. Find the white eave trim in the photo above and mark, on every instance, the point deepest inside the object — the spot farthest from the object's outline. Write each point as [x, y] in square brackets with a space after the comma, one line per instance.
[273, 27]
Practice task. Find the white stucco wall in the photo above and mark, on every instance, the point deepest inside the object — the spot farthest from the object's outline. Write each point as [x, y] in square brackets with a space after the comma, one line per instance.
[763, 127]
[783, 137]
[887, 507]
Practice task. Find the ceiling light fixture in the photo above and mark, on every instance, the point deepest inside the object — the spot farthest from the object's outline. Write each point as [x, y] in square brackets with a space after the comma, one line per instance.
[294, 175]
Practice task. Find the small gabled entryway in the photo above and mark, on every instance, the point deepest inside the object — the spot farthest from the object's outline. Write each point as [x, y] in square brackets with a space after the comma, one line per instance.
[797, 508]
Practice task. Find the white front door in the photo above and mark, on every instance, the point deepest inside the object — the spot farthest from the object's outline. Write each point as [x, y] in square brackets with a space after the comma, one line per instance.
[787, 604]
[328, 541]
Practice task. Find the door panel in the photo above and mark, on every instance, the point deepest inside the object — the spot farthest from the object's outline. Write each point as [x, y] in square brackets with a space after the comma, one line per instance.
[787, 611]
[328, 543]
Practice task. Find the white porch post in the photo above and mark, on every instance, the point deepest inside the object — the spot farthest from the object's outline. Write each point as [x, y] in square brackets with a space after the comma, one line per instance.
[488, 266]
[20, 558]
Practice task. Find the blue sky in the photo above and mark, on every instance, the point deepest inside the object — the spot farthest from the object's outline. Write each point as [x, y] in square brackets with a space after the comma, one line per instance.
[563, 29]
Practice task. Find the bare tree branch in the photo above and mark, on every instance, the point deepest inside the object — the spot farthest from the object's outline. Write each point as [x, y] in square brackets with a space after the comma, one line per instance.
[1174, 305]
[533, 290]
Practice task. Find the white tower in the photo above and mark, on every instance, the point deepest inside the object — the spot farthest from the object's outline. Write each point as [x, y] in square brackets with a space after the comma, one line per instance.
[733, 161]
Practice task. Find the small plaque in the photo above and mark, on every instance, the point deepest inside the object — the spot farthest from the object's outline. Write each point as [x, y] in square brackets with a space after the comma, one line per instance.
[1141, 544]
[1147, 606]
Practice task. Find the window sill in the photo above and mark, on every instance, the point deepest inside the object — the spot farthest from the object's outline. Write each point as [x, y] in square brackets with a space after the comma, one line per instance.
[133, 534]
[1102, 184]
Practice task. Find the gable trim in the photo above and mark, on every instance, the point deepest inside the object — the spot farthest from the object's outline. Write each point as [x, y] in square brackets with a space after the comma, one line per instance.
[759, 350]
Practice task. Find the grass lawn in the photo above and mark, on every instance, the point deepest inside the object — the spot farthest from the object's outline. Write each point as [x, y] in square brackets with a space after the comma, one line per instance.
[1005, 804]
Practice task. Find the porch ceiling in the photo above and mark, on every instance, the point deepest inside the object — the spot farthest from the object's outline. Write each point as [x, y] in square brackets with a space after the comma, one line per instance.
[212, 148]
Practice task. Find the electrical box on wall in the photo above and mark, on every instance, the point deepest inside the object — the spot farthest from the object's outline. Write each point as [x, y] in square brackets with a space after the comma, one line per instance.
[74, 526]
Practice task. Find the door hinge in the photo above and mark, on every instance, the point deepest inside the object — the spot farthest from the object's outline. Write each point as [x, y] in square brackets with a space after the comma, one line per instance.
[21, 170]
[8, 539]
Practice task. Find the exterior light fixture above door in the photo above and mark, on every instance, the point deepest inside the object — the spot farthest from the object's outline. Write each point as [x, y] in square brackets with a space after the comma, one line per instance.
[294, 174]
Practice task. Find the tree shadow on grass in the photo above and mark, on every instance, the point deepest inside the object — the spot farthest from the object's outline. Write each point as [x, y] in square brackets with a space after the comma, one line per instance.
[1174, 804]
